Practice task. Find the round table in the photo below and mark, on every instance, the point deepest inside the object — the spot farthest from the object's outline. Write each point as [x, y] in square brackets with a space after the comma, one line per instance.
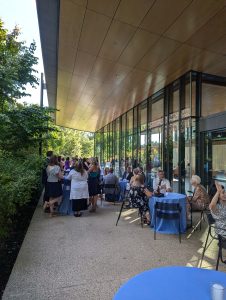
[169, 226]
[171, 283]
[123, 185]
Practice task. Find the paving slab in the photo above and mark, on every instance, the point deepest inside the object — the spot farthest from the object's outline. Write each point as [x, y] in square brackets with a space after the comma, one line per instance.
[90, 258]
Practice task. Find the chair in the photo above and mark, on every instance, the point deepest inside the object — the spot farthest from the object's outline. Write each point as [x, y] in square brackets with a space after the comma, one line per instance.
[221, 245]
[169, 211]
[214, 236]
[126, 207]
[111, 197]
[211, 223]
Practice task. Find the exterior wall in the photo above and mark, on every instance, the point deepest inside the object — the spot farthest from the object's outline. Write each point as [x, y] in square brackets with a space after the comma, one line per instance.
[162, 132]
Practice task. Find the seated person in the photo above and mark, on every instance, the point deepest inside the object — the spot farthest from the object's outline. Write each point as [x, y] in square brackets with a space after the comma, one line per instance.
[128, 174]
[200, 198]
[161, 184]
[139, 199]
[110, 184]
[218, 210]
[135, 173]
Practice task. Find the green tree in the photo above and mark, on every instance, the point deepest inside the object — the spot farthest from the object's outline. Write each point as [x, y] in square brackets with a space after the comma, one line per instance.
[22, 127]
[17, 63]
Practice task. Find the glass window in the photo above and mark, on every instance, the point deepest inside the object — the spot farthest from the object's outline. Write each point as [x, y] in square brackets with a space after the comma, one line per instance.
[135, 119]
[143, 116]
[174, 103]
[129, 122]
[157, 113]
[173, 150]
[213, 99]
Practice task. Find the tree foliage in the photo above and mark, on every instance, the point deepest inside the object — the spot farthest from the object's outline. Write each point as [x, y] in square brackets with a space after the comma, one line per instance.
[70, 142]
[17, 63]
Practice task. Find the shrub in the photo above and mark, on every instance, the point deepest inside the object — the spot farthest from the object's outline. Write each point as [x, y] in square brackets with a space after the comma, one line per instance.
[19, 179]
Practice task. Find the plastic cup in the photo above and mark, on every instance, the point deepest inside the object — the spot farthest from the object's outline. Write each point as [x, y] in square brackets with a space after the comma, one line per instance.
[217, 292]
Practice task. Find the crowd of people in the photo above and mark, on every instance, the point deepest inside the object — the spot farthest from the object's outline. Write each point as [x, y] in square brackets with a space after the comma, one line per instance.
[87, 184]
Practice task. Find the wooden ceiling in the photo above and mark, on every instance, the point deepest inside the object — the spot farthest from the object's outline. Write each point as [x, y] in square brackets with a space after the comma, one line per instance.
[112, 54]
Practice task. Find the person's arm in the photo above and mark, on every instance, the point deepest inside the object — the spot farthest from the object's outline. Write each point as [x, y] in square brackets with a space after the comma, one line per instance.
[58, 173]
[91, 168]
[213, 203]
[155, 185]
[148, 193]
[168, 187]
[69, 176]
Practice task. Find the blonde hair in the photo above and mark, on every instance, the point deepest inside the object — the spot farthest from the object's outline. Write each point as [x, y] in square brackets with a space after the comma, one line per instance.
[196, 178]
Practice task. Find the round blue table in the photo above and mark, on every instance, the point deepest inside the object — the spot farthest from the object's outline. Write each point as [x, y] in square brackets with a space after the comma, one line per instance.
[169, 226]
[171, 283]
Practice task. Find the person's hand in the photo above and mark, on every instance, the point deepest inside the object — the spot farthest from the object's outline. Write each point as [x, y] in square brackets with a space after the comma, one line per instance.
[218, 187]
[148, 193]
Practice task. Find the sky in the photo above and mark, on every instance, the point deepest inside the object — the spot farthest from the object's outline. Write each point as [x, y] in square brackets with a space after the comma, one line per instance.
[23, 14]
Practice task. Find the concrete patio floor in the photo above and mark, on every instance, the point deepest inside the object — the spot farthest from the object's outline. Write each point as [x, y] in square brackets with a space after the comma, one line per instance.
[89, 257]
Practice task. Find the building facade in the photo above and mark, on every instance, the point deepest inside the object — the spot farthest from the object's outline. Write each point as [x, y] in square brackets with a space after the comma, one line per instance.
[180, 129]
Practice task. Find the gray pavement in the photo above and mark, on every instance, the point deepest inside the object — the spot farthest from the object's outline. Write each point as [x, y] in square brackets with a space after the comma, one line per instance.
[89, 257]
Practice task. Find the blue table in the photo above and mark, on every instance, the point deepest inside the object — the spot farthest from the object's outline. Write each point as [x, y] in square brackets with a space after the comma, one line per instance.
[169, 226]
[122, 185]
[171, 283]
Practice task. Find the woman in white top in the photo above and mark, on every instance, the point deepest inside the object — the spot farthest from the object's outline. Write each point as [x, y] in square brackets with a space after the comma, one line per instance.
[79, 188]
[54, 188]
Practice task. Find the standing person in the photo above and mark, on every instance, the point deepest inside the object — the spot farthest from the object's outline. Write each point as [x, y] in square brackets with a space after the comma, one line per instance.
[85, 164]
[49, 154]
[79, 188]
[54, 187]
[93, 182]
[67, 164]
[112, 190]
[128, 174]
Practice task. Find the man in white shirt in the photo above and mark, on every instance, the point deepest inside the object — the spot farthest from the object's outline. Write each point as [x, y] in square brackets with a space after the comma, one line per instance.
[161, 184]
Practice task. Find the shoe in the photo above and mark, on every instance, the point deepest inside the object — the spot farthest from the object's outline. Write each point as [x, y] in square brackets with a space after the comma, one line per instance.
[78, 215]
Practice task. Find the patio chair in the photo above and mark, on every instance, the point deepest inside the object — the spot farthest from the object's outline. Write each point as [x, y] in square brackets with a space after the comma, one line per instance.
[211, 233]
[169, 211]
[126, 206]
[110, 191]
[221, 245]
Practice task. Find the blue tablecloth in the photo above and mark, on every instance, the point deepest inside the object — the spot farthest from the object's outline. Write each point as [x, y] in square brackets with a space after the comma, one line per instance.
[171, 283]
[122, 185]
[65, 207]
[169, 226]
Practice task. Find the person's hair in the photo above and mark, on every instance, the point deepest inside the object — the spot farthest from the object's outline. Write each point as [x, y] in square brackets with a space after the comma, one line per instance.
[140, 178]
[49, 153]
[141, 169]
[111, 170]
[161, 171]
[53, 160]
[136, 171]
[196, 179]
[106, 170]
[79, 167]
[68, 158]
[59, 158]
[63, 159]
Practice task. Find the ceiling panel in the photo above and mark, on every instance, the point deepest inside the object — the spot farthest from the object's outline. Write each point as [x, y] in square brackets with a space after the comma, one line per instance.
[133, 11]
[107, 8]
[192, 18]
[84, 64]
[137, 47]
[162, 14]
[116, 40]
[210, 32]
[158, 53]
[94, 30]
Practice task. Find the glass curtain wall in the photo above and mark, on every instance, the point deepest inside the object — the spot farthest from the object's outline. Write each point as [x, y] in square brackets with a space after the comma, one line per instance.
[162, 132]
